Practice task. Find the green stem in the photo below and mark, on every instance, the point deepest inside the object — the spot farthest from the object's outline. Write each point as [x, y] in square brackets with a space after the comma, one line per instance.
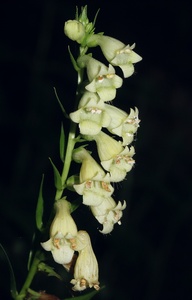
[70, 145]
[33, 270]
[68, 159]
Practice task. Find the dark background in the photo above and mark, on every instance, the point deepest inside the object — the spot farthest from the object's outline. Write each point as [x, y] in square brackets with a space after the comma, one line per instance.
[149, 255]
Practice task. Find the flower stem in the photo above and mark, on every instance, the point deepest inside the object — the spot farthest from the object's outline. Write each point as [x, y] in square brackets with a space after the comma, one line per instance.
[70, 143]
[32, 271]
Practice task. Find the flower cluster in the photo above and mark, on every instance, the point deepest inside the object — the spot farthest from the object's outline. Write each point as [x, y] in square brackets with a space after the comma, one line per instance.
[65, 240]
[98, 122]
[112, 129]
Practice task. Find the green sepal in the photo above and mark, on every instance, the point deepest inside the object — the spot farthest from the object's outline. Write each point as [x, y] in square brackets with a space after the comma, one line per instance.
[57, 177]
[13, 287]
[40, 207]
[75, 204]
[74, 179]
[74, 63]
[62, 144]
[86, 296]
[49, 270]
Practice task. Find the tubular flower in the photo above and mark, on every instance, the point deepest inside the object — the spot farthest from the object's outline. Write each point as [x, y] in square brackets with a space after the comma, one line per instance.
[119, 165]
[108, 213]
[94, 182]
[122, 124]
[62, 226]
[86, 271]
[114, 157]
[103, 79]
[91, 114]
[117, 53]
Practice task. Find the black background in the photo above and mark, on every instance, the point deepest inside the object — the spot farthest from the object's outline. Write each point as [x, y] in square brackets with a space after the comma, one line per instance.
[149, 255]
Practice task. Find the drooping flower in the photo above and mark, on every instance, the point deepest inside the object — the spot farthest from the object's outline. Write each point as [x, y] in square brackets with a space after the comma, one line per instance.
[96, 190]
[91, 114]
[86, 270]
[117, 53]
[62, 226]
[122, 124]
[115, 158]
[103, 79]
[94, 182]
[107, 213]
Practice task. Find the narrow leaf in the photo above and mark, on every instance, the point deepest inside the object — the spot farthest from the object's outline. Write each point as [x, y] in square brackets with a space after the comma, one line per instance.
[73, 61]
[61, 105]
[13, 288]
[75, 204]
[62, 144]
[57, 177]
[49, 270]
[40, 207]
[31, 252]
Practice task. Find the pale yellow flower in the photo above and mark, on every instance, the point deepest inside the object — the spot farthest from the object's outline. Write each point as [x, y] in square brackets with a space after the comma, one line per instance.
[91, 114]
[122, 124]
[62, 226]
[117, 53]
[107, 213]
[115, 158]
[103, 79]
[86, 270]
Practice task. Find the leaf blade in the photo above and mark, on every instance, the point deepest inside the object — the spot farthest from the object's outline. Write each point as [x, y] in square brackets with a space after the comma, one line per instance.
[57, 176]
[40, 207]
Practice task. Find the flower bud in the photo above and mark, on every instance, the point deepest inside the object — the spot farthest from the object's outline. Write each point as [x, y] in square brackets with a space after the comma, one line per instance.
[74, 30]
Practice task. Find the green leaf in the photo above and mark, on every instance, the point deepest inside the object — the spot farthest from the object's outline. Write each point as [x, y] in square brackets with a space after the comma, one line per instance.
[74, 63]
[13, 288]
[49, 270]
[40, 207]
[61, 105]
[57, 177]
[75, 204]
[62, 144]
[31, 252]
[86, 296]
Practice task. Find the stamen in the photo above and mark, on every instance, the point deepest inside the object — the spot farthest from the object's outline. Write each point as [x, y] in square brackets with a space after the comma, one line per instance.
[109, 76]
[88, 184]
[105, 186]
[56, 243]
[100, 78]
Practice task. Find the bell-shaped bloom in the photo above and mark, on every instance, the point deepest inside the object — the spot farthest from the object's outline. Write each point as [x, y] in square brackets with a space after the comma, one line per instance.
[117, 53]
[62, 226]
[86, 270]
[108, 213]
[74, 30]
[115, 159]
[103, 79]
[122, 124]
[94, 182]
[91, 114]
